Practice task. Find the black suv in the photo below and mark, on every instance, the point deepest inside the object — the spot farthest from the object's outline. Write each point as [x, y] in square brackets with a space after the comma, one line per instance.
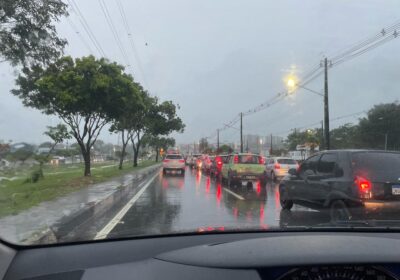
[347, 182]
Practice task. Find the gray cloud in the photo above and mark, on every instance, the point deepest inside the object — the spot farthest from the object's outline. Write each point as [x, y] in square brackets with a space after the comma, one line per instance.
[218, 58]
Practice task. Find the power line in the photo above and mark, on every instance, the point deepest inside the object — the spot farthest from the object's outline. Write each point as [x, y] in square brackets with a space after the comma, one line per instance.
[75, 29]
[110, 24]
[130, 37]
[86, 27]
[386, 35]
[319, 122]
[362, 51]
[384, 32]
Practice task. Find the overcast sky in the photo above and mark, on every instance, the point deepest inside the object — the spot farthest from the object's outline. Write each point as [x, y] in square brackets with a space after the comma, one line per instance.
[217, 58]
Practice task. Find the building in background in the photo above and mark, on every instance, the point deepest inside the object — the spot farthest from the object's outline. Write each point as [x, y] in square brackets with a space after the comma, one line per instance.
[262, 144]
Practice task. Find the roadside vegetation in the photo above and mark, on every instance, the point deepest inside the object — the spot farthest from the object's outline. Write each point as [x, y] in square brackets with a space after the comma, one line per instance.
[17, 195]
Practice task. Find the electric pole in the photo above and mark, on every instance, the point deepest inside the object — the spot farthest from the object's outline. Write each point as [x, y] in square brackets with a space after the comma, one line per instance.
[326, 107]
[217, 140]
[241, 132]
[271, 145]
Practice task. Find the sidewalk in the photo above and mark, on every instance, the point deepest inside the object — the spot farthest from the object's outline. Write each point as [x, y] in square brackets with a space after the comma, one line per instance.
[29, 225]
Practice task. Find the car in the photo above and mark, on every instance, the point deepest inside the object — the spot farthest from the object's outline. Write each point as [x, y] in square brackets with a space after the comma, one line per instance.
[174, 162]
[193, 160]
[277, 167]
[216, 165]
[351, 184]
[206, 163]
[243, 168]
[198, 162]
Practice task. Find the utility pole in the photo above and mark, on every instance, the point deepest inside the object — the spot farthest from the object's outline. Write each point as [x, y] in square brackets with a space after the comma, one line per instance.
[271, 144]
[241, 132]
[326, 107]
[217, 140]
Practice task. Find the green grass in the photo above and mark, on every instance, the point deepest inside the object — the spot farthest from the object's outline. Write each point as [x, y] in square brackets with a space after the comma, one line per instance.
[17, 195]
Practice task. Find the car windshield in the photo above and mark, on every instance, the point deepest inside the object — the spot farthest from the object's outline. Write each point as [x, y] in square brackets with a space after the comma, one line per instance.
[130, 118]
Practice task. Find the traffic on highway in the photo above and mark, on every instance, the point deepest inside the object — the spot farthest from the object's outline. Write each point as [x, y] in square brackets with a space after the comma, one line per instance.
[199, 139]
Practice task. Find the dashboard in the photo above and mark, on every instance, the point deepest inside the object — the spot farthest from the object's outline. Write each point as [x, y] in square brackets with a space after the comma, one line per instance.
[263, 255]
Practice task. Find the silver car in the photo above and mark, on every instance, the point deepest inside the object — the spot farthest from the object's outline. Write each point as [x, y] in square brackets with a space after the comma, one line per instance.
[277, 167]
[174, 162]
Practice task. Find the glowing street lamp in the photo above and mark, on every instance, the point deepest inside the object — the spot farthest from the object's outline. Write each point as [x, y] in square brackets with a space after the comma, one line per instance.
[291, 82]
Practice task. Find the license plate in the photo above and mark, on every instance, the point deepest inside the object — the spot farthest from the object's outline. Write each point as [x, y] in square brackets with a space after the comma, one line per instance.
[396, 189]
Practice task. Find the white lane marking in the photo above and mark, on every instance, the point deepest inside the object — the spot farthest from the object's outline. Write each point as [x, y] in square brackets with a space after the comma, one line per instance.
[117, 218]
[234, 194]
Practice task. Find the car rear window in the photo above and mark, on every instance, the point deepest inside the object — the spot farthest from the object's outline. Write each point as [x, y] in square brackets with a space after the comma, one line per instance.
[377, 166]
[248, 159]
[286, 161]
[174, 157]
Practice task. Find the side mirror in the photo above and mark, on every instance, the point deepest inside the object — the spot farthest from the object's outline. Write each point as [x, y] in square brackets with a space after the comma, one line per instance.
[339, 172]
[292, 171]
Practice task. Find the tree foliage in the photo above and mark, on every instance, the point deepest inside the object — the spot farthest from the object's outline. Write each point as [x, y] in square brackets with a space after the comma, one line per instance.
[225, 149]
[27, 32]
[157, 143]
[310, 136]
[85, 93]
[382, 121]
[58, 134]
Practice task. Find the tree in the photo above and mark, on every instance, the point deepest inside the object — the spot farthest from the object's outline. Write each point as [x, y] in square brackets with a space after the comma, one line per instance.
[308, 136]
[22, 154]
[58, 134]
[157, 143]
[27, 33]
[345, 137]
[131, 119]
[85, 93]
[158, 119]
[382, 121]
[224, 149]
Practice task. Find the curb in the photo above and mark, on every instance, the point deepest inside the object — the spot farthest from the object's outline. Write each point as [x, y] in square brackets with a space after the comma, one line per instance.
[79, 225]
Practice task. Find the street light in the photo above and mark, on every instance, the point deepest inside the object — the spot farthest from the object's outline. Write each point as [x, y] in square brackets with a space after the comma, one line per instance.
[292, 84]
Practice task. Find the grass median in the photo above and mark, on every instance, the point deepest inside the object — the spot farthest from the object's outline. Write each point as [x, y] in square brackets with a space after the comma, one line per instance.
[18, 195]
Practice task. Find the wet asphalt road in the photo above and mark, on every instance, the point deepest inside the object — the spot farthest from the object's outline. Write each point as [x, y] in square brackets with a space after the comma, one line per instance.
[196, 202]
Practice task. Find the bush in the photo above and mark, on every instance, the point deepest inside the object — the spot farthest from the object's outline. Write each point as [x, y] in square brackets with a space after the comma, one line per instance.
[35, 176]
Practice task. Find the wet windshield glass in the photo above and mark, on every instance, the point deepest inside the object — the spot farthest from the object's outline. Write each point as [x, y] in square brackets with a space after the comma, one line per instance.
[197, 116]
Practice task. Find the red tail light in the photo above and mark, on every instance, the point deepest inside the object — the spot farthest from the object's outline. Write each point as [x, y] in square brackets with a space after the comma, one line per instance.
[261, 160]
[277, 166]
[181, 160]
[166, 160]
[364, 186]
[218, 161]
[236, 159]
